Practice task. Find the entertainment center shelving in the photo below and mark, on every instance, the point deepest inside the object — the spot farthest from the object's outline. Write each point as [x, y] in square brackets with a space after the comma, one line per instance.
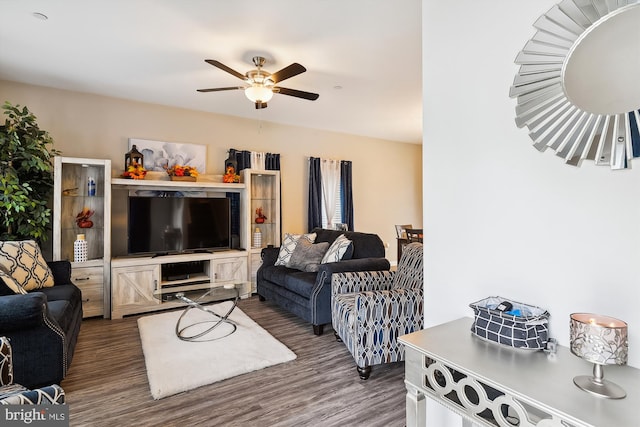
[72, 196]
[115, 285]
[134, 278]
[263, 192]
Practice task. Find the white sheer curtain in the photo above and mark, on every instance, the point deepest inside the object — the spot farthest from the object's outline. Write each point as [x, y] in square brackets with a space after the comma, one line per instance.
[258, 160]
[330, 172]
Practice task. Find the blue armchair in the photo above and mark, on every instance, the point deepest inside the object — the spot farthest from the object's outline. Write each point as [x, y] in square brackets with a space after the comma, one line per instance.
[16, 394]
[370, 310]
[43, 326]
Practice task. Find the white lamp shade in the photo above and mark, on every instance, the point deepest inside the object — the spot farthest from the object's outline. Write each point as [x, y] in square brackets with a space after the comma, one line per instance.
[258, 93]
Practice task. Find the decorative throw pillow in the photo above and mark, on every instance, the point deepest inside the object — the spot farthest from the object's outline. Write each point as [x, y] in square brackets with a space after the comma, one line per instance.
[307, 256]
[337, 250]
[6, 373]
[24, 262]
[11, 282]
[289, 244]
[348, 253]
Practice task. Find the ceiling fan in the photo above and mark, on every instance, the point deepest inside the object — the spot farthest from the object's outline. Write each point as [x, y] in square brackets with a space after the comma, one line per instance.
[260, 84]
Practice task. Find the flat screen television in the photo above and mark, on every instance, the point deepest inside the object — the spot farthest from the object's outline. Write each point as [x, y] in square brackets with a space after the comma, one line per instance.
[166, 225]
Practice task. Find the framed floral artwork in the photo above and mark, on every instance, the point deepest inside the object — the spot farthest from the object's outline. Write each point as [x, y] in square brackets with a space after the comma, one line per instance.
[160, 155]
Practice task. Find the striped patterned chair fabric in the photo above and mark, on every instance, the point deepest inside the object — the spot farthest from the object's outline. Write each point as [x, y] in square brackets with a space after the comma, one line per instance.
[15, 394]
[370, 310]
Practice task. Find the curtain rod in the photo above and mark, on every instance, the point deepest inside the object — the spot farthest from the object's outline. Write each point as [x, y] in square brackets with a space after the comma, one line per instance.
[252, 151]
[337, 160]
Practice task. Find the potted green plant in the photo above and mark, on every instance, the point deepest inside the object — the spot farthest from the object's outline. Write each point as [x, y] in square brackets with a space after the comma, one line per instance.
[26, 176]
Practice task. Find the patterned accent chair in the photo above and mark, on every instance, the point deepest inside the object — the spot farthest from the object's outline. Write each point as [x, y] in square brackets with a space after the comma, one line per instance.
[15, 394]
[370, 310]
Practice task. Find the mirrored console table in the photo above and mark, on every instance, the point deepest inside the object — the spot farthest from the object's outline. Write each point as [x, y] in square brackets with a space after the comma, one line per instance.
[492, 385]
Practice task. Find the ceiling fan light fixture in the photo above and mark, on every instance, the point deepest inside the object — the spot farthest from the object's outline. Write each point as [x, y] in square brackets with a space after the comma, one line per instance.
[259, 85]
[258, 93]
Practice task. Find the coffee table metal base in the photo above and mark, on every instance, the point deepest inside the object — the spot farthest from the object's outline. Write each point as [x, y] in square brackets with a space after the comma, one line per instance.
[218, 320]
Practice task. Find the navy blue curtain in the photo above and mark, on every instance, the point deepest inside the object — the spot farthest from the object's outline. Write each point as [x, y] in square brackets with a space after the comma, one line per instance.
[272, 162]
[243, 158]
[347, 193]
[635, 137]
[314, 214]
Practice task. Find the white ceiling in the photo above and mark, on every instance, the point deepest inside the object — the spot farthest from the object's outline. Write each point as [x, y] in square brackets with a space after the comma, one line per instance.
[154, 51]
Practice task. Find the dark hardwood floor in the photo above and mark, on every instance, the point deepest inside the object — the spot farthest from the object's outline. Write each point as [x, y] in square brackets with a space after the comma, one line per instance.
[107, 383]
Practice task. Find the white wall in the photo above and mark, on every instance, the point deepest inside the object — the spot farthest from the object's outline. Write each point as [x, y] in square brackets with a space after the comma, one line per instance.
[387, 180]
[500, 217]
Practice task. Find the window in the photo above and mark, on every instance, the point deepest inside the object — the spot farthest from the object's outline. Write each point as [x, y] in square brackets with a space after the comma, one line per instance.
[337, 216]
[330, 178]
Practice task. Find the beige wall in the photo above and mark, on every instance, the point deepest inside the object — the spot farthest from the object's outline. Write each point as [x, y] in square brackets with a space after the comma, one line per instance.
[387, 176]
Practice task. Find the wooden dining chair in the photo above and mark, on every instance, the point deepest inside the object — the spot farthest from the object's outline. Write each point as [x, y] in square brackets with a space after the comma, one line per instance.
[414, 235]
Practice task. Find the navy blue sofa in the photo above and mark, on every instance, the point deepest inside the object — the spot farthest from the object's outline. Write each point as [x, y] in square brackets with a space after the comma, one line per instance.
[308, 295]
[43, 328]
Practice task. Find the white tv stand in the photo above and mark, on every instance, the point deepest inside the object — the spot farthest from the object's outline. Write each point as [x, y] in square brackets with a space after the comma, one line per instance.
[133, 279]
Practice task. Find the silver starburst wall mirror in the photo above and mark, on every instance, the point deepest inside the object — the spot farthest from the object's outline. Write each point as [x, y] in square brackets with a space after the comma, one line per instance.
[578, 85]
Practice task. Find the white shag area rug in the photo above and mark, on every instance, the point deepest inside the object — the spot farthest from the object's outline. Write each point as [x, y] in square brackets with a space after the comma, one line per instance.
[174, 366]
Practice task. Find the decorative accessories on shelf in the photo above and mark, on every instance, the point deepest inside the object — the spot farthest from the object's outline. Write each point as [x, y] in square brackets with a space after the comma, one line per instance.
[91, 186]
[231, 161]
[183, 178]
[133, 156]
[257, 238]
[135, 171]
[601, 340]
[70, 191]
[82, 219]
[230, 175]
[80, 249]
[260, 218]
[182, 173]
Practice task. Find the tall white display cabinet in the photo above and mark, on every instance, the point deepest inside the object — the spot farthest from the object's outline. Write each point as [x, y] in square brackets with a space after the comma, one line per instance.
[82, 206]
[262, 193]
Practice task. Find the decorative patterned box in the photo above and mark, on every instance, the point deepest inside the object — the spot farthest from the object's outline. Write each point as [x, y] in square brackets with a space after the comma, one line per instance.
[528, 330]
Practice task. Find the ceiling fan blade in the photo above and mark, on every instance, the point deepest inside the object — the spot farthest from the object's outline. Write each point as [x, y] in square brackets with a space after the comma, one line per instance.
[261, 105]
[287, 72]
[218, 89]
[225, 68]
[297, 93]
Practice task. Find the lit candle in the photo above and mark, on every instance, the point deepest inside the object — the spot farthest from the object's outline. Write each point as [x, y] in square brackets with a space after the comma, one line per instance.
[598, 320]
[601, 340]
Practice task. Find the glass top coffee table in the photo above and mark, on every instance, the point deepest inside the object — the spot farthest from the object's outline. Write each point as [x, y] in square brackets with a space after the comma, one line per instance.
[195, 297]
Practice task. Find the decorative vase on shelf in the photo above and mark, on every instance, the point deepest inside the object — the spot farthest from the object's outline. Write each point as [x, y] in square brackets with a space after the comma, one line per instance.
[257, 238]
[260, 218]
[80, 249]
[91, 186]
[82, 219]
